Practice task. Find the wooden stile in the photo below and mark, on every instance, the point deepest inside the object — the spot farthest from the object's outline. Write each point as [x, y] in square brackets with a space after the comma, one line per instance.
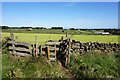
[33, 50]
[48, 53]
[19, 43]
[36, 46]
[67, 34]
[19, 49]
[12, 36]
[55, 51]
[69, 51]
[41, 49]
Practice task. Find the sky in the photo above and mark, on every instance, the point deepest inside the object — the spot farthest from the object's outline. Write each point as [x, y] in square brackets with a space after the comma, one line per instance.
[60, 14]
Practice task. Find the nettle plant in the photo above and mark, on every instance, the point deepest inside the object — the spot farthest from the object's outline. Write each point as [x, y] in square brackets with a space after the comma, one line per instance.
[5, 40]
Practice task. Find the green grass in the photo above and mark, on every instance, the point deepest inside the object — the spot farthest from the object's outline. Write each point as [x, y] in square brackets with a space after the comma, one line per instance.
[30, 37]
[53, 31]
[39, 67]
[97, 65]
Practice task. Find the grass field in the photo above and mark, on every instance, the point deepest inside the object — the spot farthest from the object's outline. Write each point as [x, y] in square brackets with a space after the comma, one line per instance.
[30, 37]
[75, 32]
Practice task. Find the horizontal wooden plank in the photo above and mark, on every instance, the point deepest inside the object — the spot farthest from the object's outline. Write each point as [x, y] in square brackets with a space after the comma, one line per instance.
[77, 44]
[19, 43]
[20, 54]
[52, 54]
[43, 52]
[19, 49]
[53, 43]
[52, 59]
[66, 38]
[53, 48]
[43, 46]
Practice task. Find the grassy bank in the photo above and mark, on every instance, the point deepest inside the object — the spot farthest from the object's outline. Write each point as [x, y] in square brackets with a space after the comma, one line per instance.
[16, 67]
[95, 65]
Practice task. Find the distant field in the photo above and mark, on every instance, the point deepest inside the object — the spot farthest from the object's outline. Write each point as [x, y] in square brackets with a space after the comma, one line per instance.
[30, 37]
[75, 32]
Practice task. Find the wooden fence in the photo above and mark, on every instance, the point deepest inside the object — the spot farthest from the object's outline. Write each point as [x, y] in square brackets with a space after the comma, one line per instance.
[59, 50]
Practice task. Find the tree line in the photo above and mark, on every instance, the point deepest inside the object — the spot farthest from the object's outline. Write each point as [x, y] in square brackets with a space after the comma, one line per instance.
[111, 31]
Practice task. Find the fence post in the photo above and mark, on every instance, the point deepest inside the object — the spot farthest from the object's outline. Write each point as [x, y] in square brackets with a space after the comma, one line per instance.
[0, 37]
[62, 38]
[67, 34]
[69, 51]
[66, 54]
[48, 53]
[12, 36]
[36, 46]
[55, 51]
[40, 49]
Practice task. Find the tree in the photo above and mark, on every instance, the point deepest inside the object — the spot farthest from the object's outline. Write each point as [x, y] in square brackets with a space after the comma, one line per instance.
[57, 28]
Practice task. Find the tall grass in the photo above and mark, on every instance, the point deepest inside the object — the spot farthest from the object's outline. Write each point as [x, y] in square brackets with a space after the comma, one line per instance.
[95, 65]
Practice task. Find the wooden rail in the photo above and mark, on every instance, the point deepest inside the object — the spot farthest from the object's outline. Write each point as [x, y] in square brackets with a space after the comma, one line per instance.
[19, 43]
[19, 49]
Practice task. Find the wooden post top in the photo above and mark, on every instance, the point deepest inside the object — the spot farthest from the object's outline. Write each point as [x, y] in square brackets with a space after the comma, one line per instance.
[67, 34]
[53, 43]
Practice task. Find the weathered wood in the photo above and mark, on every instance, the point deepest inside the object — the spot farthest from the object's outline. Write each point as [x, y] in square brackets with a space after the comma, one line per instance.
[69, 47]
[41, 49]
[20, 54]
[48, 53]
[66, 61]
[12, 36]
[19, 43]
[0, 37]
[36, 46]
[43, 52]
[52, 59]
[62, 38]
[4, 46]
[74, 46]
[52, 43]
[53, 49]
[66, 38]
[52, 54]
[33, 50]
[44, 46]
[19, 49]
[77, 44]
[67, 34]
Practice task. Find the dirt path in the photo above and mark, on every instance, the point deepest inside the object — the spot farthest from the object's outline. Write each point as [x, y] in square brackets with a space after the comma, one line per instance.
[67, 72]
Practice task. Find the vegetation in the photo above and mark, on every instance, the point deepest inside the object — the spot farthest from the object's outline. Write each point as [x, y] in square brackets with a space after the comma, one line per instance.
[57, 28]
[41, 67]
[85, 65]
[51, 31]
[95, 65]
[30, 37]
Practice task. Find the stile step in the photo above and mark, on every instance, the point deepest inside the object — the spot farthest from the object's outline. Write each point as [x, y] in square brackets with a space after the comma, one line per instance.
[53, 54]
[53, 48]
[52, 59]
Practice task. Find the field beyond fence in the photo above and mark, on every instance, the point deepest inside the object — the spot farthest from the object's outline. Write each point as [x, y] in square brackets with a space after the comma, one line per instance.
[29, 37]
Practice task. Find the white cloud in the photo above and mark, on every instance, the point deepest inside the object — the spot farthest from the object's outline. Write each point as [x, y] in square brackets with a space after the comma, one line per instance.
[26, 20]
[70, 4]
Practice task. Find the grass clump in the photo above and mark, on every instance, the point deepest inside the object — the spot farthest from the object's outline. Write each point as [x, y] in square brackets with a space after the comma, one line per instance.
[31, 67]
[95, 65]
